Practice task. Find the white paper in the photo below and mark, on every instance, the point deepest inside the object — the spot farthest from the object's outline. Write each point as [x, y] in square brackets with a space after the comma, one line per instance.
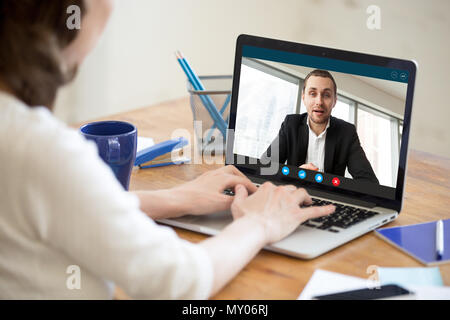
[430, 293]
[326, 282]
[144, 142]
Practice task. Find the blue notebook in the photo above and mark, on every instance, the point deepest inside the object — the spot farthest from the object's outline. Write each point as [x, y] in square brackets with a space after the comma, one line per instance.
[419, 241]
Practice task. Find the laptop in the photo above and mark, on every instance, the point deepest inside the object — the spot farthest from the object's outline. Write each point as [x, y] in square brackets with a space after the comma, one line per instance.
[361, 166]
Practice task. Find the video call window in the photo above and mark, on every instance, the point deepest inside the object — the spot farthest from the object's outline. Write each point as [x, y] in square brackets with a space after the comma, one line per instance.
[269, 91]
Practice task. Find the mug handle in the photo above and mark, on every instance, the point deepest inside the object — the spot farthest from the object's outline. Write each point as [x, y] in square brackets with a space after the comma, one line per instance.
[113, 154]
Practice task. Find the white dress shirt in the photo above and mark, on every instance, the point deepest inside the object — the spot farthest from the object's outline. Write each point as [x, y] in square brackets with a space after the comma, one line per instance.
[61, 206]
[316, 147]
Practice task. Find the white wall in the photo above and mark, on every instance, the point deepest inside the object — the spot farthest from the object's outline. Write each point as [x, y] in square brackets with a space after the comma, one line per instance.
[134, 65]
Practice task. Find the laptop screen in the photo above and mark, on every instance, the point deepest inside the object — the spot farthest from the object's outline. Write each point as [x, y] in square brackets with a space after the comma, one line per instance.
[321, 117]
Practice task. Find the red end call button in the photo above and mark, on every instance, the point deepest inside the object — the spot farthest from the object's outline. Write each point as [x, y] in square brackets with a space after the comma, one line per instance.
[336, 182]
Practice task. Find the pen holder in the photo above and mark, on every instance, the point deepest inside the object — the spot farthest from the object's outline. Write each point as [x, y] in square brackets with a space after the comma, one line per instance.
[217, 95]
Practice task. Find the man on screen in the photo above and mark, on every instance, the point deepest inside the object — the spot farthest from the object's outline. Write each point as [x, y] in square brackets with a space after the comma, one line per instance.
[317, 141]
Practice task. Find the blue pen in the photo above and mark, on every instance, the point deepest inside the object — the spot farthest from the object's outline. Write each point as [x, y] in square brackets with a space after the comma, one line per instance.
[440, 239]
[210, 107]
[188, 73]
[207, 101]
[222, 110]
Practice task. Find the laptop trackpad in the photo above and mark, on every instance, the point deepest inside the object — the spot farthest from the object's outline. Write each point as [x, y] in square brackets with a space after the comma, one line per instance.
[215, 221]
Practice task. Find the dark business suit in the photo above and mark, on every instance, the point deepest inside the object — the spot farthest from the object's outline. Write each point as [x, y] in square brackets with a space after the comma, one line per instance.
[342, 147]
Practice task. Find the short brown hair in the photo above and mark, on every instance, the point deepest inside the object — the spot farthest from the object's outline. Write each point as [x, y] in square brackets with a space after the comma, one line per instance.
[32, 35]
[320, 73]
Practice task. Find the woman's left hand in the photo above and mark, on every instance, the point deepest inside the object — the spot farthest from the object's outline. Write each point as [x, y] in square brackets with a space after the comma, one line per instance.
[205, 193]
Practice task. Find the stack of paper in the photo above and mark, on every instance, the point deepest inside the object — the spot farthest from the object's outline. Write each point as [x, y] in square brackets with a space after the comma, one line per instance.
[425, 283]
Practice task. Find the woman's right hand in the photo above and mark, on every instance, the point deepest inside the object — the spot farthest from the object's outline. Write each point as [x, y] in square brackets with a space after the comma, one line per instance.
[276, 209]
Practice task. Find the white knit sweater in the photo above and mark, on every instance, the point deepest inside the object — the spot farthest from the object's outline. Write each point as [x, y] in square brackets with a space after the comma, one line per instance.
[62, 208]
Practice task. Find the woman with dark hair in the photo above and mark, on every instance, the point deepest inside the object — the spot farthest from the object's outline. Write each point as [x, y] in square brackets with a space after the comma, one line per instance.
[62, 208]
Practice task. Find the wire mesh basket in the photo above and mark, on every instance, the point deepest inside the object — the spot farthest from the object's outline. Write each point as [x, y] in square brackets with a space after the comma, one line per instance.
[217, 94]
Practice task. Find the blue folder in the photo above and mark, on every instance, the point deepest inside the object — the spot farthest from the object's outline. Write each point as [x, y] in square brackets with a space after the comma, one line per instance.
[419, 241]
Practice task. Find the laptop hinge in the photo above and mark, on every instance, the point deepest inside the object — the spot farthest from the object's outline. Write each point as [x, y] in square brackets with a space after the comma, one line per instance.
[323, 194]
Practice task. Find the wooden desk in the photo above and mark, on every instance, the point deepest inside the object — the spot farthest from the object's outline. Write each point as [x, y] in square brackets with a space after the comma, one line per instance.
[275, 276]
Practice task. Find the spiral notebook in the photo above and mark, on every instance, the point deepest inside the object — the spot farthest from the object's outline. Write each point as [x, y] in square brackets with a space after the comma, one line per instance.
[418, 241]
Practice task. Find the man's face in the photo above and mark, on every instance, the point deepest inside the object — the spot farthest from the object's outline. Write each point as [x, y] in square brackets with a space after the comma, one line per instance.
[319, 98]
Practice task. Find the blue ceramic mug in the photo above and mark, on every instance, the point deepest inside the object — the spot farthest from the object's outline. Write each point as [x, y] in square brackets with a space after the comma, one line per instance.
[116, 142]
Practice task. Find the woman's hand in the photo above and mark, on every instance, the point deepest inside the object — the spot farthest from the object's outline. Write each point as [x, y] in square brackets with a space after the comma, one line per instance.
[276, 209]
[266, 216]
[205, 193]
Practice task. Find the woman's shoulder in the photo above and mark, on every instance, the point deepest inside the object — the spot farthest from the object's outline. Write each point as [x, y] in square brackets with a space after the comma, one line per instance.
[34, 139]
[20, 119]
[33, 130]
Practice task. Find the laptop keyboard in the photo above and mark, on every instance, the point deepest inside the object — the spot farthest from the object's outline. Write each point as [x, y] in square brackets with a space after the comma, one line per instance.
[343, 217]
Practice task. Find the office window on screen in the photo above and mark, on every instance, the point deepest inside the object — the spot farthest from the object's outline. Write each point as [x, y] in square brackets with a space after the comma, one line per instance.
[266, 96]
[379, 136]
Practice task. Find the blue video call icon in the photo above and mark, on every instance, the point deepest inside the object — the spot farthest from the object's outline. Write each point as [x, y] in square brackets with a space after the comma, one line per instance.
[285, 170]
[302, 174]
[319, 178]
